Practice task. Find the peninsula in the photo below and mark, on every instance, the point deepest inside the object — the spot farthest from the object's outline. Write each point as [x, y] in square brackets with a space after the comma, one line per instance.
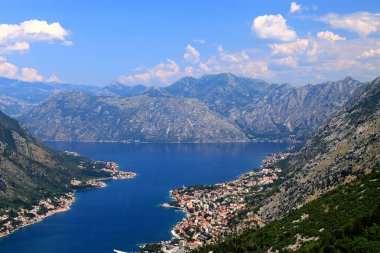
[213, 210]
[12, 220]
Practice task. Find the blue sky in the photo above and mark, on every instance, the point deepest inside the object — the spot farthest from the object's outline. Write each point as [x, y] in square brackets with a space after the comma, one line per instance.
[157, 42]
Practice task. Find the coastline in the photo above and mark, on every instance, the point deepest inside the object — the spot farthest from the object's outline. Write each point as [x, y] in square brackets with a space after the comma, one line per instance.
[211, 209]
[58, 209]
[29, 217]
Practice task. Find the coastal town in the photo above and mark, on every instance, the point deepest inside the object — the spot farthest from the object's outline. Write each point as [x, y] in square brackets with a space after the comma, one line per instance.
[211, 210]
[12, 220]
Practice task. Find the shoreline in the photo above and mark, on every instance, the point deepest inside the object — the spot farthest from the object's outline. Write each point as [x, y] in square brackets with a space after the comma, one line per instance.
[209, 209]
[38, 218]
[65, 202]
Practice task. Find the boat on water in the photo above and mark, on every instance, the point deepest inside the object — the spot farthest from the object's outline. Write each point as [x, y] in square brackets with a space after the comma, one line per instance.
[118, 251]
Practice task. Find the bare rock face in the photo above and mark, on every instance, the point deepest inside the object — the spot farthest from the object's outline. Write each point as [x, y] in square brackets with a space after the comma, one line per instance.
[347, 146]
[154, 116]
[262, 109]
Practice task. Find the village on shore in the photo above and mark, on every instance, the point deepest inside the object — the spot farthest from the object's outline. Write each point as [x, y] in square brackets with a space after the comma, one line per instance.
[12, 220]
[211, 210]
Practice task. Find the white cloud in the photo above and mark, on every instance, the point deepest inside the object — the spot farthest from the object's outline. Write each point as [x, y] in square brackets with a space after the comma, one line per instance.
[16, 47]
[192, 55]
[162, 73]
[294, 7]
[296, 47]
[30, 75]
[53, 79]
[370, 53]
[288, 61]
[273, 27]
[327, 35]
[8, 70]
[362, 23]
[17, 37]
[27, 74]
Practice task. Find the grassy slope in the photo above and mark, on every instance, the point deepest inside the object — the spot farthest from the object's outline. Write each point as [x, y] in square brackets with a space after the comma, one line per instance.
[346, 219]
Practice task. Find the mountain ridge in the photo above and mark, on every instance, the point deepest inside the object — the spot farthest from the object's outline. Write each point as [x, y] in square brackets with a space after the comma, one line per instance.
[153, 116]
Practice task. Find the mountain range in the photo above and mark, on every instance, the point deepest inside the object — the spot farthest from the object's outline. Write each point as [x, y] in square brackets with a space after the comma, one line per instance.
[154, 116]
[213, 108]
[17, 97]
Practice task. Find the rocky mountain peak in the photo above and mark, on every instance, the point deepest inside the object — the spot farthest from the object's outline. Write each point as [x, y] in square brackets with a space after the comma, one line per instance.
[156, 92]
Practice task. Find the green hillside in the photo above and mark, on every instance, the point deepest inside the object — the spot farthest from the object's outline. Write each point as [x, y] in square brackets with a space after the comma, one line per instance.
[346, 219]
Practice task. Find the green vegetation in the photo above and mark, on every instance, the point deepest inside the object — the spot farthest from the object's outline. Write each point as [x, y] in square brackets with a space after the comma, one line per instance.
[30, 171]
[346, 219]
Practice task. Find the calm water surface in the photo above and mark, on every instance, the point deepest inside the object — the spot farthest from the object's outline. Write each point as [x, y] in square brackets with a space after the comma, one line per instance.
[127, 212]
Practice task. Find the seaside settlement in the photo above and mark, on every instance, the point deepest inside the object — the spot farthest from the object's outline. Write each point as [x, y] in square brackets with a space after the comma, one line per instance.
[12, 220]
[212, 210]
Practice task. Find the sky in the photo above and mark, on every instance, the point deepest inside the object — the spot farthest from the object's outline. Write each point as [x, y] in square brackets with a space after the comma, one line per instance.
[155, 42]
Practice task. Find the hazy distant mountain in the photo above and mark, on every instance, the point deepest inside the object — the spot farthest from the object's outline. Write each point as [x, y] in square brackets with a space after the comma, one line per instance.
[18, 96]
[221, 92]
[121, 90]
[154, 116]
[268, 110]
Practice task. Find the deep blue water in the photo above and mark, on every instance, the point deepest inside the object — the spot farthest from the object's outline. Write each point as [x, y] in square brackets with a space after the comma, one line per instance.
[127, 212]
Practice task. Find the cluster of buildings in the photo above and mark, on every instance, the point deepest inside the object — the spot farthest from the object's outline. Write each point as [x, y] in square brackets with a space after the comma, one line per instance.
[12, 220]
[272, 159]
[112, 168]
[211, 211]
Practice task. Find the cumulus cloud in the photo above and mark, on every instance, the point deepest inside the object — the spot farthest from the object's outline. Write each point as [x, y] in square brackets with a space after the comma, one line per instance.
[289, 57]
[53, 79]
[294, 7]
[16, 47]
[370, 53]
[362, 23]
[26, 74]
[162, 73]
[273, 27]
[327, 35]
[17, 37]
[192, 55]
[288, 61]
[296, 47]
[239, 62]
[8, 70]
[30, 75]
